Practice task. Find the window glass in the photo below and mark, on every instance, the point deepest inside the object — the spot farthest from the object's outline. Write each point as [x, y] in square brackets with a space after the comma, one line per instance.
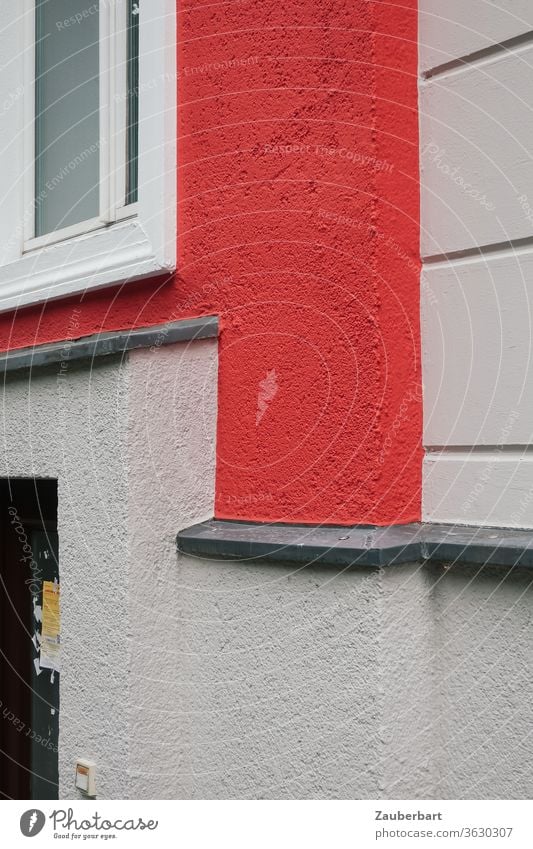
[66, 113]
[132, 121]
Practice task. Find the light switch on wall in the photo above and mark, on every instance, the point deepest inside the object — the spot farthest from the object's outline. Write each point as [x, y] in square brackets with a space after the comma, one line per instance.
[86, 777]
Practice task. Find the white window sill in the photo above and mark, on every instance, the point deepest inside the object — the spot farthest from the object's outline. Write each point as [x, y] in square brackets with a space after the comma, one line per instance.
[112, 255]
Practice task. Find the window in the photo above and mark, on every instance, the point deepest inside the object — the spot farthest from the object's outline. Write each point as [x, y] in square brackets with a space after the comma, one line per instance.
[132, 120]
[87, 133]
[67, 121]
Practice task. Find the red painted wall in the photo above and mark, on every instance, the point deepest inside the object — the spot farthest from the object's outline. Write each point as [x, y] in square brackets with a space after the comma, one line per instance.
[298, 224]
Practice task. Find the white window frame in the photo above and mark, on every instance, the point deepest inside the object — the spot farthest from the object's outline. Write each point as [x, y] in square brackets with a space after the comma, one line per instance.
[124, 242]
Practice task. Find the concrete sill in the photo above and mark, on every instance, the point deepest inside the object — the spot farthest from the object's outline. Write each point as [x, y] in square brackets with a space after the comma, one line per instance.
[105, 344]
[358, 546]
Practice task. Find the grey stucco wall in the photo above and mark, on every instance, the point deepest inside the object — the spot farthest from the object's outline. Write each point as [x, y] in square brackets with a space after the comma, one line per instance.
[483, 667]
[71, 428]
[171, 459]
[302, 684]
[405, 683]
[131, 441]
[280, 682]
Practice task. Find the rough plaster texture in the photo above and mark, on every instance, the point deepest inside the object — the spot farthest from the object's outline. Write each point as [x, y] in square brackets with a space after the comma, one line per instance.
[477, 358]
[131, 442]
[451, 29]
[476, 178]
[405, 683]
[298, 225]
[171, 461]
[475, 126]
[481, 652]
[184, 678]
[71, 428]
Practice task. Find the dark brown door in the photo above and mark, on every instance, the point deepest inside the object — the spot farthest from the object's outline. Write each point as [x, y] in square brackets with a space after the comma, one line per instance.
[28, 695]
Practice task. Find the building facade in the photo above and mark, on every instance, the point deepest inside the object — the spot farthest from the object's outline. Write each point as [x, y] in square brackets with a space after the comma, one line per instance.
[265, 324]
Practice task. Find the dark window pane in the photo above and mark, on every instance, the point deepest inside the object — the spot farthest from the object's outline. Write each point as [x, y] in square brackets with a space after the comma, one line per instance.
[67, 126]
[132, 120]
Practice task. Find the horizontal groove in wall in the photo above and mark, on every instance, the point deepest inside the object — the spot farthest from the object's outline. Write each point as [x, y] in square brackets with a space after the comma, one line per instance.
[481, 252]
[508, 446]
[486, 54]
[507, 452]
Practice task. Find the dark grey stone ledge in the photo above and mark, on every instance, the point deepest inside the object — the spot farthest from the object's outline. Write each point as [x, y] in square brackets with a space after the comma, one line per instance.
[370, 547]
[104, 344]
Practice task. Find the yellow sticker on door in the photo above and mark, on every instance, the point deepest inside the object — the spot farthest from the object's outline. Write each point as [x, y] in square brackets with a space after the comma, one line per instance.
[50, 639]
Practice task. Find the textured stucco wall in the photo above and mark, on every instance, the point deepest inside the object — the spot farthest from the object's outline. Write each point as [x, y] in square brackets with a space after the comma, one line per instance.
[476, 125]
[293, 688]
[280, 682]
[171, 462]
[131, 442]
[298, 225]
[483, 740]
[303, 684]
[71, 428]
[410, 683]
[185, 678]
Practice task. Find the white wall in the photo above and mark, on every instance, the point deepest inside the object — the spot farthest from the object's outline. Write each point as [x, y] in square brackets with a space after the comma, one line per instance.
[476, 125]
[318, 683]
[451, 29]
[481, 659]
[171, 461]
[302, 683]
[71, 428]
